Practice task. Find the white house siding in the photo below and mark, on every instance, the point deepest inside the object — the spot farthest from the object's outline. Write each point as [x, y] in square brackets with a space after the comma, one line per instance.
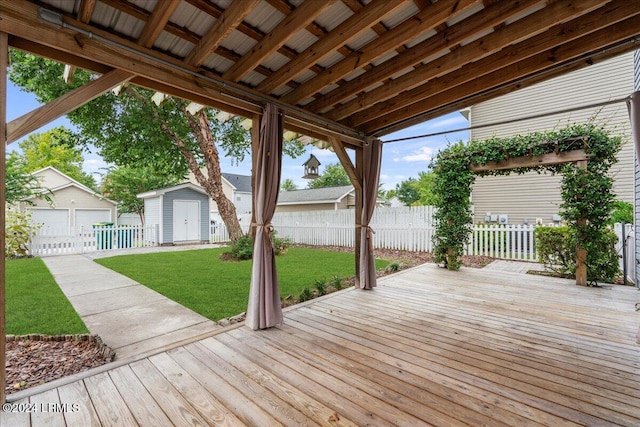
[531, 196]
[306, 207]
[636, 85]
[152, 213]
[50, 178]
[242, 202]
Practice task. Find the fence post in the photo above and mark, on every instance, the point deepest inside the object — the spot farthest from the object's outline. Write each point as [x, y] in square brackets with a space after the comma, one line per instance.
[82, 239]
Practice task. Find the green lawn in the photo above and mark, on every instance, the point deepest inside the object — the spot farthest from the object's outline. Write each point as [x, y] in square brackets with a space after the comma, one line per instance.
[35, 304]
[217, 289]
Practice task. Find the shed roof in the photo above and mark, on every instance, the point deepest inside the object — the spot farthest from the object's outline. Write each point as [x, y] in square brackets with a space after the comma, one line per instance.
[165, 190]
[314, 195]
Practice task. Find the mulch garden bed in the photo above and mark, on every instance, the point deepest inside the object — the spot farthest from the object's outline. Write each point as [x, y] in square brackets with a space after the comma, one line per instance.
[37, 359]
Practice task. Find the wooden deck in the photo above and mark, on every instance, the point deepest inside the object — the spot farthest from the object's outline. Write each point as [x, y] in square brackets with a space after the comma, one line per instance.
[427, 347]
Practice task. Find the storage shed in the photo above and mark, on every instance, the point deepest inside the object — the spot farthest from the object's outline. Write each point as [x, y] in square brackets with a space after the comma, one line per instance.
[181, 213]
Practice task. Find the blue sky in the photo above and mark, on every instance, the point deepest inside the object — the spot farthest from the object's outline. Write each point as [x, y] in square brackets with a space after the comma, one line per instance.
[400, 160]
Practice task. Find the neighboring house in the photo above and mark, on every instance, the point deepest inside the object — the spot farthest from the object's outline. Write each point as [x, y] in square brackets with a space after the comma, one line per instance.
[74, 205]
[532, 196]
[181, 213]
[315, 199]
[237, 188]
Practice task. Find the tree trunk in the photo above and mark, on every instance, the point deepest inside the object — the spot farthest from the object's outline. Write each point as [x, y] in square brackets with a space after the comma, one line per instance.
[212, 183]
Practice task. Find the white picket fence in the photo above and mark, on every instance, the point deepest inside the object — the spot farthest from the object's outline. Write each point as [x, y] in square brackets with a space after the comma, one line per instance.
[63, 241]
[404, 228]
[515, 242]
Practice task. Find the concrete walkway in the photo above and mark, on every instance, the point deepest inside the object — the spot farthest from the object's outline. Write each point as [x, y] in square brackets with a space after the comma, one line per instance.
[129, 317]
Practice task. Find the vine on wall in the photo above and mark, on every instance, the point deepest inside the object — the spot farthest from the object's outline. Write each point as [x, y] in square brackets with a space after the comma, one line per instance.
[586, 193]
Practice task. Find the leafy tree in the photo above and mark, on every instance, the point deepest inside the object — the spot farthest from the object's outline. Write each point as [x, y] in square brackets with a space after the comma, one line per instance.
[416, 192]
[20, 184]
[334, 175]
[425, 189]
[407, 191]
[57, 148]
[131, 130]
[123, 184]
[288, 185]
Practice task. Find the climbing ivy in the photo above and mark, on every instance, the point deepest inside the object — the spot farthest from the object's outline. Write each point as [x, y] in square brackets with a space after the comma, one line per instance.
[586, 193]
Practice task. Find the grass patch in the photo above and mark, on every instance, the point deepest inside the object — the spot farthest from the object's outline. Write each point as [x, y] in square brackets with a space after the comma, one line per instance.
[35, 303]
[218, 289]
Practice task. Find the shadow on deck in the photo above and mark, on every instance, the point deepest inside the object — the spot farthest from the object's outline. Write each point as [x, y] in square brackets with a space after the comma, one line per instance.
[427, 347]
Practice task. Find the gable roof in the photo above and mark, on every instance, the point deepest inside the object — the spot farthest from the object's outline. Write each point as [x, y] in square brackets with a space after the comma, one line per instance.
[241, 183]
[165, 190]
[70, 183]
[314, 195]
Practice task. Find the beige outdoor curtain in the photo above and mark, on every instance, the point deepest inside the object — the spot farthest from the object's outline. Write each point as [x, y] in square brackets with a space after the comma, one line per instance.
[264, 309]
[372, 158]
[633, 104]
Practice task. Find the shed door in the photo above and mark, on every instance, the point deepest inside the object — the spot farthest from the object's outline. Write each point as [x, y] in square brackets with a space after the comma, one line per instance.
[186, 220]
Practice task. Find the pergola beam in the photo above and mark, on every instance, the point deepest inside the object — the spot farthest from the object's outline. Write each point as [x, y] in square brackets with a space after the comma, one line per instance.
[160, 71]
[428, 19]
[354, 174]
[444, 41]
[456, 89]
[533, 161]
[291, 24]
[157, 21]
[547, 41]
[353, 26]
[554, 14]
[39, 117]
[226, 23]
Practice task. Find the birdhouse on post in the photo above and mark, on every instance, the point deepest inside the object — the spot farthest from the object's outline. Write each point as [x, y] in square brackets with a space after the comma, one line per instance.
[311, 168]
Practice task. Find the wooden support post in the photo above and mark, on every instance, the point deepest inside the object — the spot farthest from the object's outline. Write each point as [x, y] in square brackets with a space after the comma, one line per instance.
[4, 64]
[581, 253]
[358, 211]
[255, 143]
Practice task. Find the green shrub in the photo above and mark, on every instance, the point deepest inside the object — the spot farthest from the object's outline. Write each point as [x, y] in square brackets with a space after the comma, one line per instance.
[305, 295]
[622, 212]
[556, 248]
[320, 286]
[243, 248]
[280, 244]
[18, 231]
[336, 283]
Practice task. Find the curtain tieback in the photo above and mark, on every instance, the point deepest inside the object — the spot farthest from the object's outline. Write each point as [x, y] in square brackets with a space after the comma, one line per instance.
[368, 230]
[268, 227]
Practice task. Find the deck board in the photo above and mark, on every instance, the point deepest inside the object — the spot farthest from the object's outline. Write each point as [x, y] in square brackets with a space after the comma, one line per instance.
[427, 347]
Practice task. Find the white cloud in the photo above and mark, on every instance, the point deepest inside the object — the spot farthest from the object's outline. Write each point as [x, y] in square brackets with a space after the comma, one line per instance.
[423, 154]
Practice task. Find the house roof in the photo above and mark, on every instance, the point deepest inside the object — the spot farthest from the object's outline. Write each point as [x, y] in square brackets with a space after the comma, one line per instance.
[241, 183]
[165, 190]
[70, 183]
[337, 68]
[312, 196]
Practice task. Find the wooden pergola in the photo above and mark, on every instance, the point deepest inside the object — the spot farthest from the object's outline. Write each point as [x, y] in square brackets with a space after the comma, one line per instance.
[344, 71]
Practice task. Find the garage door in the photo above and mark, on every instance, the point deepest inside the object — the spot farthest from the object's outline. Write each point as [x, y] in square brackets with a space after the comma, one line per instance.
[53, 219]
[87, 217]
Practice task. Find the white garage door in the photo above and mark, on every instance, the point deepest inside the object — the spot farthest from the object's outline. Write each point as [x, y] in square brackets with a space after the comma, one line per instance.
[87, 217]
[52, 219]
